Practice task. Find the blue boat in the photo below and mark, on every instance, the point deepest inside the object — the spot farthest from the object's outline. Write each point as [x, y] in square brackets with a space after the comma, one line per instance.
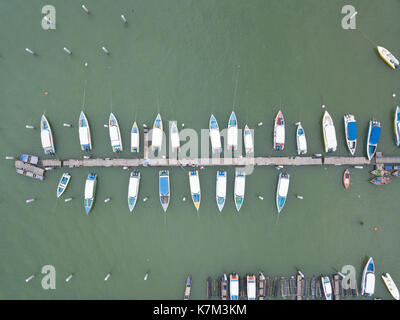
[90, 191]
[368, 279]
[63, 184]
[397, 126]
[164, 189]
[221, 189]
[282, 190]
[350, 128]
[374, 132]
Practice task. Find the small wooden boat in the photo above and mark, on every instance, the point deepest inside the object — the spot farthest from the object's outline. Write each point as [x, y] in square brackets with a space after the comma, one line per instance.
[397, 126]
[380, 172]
[391, 286]
[224, 287]
[84, 133]
[157, 136]
[374, 132]
[326, 287]
[133, 189]
[248, 140]
[282, 190]
[240, 183]
[164, 189]
[63, 184]
[328, 129]
[396, 173]
[215, 136]
[115, 134]
[194, 182]
[135, 138]
[234, 286]
[90, 191]
[350, 128]
[175, 140]
[188, 288]
[388, 57]
[232, 132]
[27, 158]
[380, 181]
[346, 178]
[261, 286]
[301, 140]
[46, 136]
[368, 279]
[279, 132]
[251, 287]
[221, 189]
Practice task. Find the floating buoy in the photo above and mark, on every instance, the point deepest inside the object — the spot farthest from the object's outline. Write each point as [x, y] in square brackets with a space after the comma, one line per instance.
[67, 125]
[261, 197]
[48, 168]
[46, 93]
[30, 51]
[85, 64]
[69, 277]
[394, 95]
[85, 9]
[146, 276]
[125, 168]
[86, 157]
[299, 197]
[29, 127]
[105, 125]
[68, 199]
[30, 200]
[105, 50]
[341, 274]
[108, 275]
[67, 50]
[182, 125]
[259, 124]
[10, 158]
[375, 228]
[123, 18]
[279, 167]
[323, 106]
[353, 15]
[145, 199]
[184, 199]
[107, 200]
[29, 278]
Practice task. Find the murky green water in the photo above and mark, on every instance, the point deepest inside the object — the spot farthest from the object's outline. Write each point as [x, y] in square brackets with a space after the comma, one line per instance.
[182, 58]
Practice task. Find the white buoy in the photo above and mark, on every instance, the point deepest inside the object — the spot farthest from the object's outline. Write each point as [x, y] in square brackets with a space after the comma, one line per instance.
[261, 197]
[125, 168]
[108, 275]
[30, 200]
[353, 15]
[107, 200]
[300, 273]
[85, 64]
[183, 125]
[184, 199]
[10, 158]
[29, 278]
[68, 200]
[299, 196]
[105, 50]
[144, 125]
[67, 125]
[323, 106]
[145, 199]
[48, 168]
[358, 167]
[123, 18]
[85, 9]
[67, 50]
[86, 157]
[146, 276]
[279, 167]
[105, 125]
[29, 126]
[341, 274]
[394, 95]
[69, 277]
[30, 51]
[259, 124]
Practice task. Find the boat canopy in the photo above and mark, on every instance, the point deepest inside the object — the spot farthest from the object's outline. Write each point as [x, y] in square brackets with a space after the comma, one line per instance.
[302, 142]
[283, 187]
[133, 186]
[240, 185]
[251, 288]
[194, 183]
[215, 139]
[164, 188]
[84, 135]
[369, 283]
[352, 130]
[114, 134]
[232, 136]
[248, 140]
[280, 134]
[175, 140]
[234, 287]
[330, 134]
[375, 133]
[221, 187]
[213, 123]
[157, 137]
[46, 139]
[89, 187]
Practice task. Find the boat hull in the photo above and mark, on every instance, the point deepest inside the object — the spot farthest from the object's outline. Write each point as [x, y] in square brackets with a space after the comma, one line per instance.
[133, 189]
[194, 182]
[329, 133]
[115, 134]
[368, 279]
[282, 190]
[232, 139]
[301, 140]
[388, 57]
[397, 127]
[346, 178]
[350, 133]
[215, 136]
[391, 286]
[373, 138]
[84, 133]
[220, 189]
[46, 136]
[157, 136]
[239, 189]
[63, 184]
[135, 138]
[164, 189]
[90, 188]
[279, 132]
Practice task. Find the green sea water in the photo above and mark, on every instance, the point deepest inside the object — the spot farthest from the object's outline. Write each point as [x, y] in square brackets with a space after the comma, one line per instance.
[187, 59]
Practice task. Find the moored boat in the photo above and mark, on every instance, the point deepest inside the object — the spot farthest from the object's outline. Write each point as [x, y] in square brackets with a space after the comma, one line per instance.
[350, 128]
[164, 187]
[396, 173]
[232, 132]
[346, 178]
[374, 132]
[221, 189]
[115, 134]
[326, 287]
[397, 126]
[380, 181]
[368, 279]
[84, 133]
[188, 288]
[328, 129]
[234, 286]
[157, 136]
[301, 140]
[224, 287]
[46, 136]
[90, 191]
[135, 138]
[174, 135]
[215, 136]
[388, 57]
[282, 190]
[248, 140]
[380, 172]
[279, 132]
[251, 287]
[194, 182]
[391, 286]
[63, 184]
[240, 183]
[133, 189]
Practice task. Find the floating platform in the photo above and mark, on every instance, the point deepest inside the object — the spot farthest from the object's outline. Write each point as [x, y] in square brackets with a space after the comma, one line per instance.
[29, 170]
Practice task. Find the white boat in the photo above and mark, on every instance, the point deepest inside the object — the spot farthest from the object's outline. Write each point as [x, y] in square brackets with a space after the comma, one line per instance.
[397, 126]
[133, 189]
[135, 138]
[391, 286]
[194, 182]
[46, 136]
[164, 188]
[374, 132]
[234, 286]
[368, 279]
[279, 132]
[221, 189]
[329, 132]
[215, 136]
[301, 140]
[282, 190]
[240, 183]
[251, 287]
[174, 134]
[326, 287]
[63, 184]
[350, 130]
[157, 135]
[232, 132]
[388, 57]
[90, 191]
[115, 134]
[248, 140]
[84, 133]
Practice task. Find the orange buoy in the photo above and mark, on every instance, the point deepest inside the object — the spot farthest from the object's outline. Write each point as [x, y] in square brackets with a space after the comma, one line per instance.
[46, 93]
[375, 228]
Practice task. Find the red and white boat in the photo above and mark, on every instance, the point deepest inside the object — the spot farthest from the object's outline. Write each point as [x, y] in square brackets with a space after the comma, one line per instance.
[346, 178]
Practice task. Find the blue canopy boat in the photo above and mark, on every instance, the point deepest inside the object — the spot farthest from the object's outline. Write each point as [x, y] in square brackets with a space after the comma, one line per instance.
[164, 189]
[397, 126]
[63, 184]
[374, 132]
[215, 136]
[282, 190]
[350, 128]
[368, 279]
[90, 191]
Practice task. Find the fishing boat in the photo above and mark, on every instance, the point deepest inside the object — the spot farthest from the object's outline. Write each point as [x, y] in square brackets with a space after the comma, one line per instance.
[174, 134]
[391, 286]
[350, 128]
[234, 286]
[380, 172]
[397, 126]
[194, 182]
[84, 133]
[63, 184]
[221, 189]
[215, 136]
[396, 173]
[188, 288]
[301, 140]
[380, 181]
[327, 287]
[279, 132]
[46, 136]
[346, 178]
[248, 140]
[135, 138]
[282, 190]
[133, 189]
[232, 132]
[374, 132]
[164, 189]
[115, 134]
[224, 287]
[157, 136]
[328, 129]
[240, 183]
[368, 279]
[90, 191]
[396, 167]
[388, 57]
[251, 287]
